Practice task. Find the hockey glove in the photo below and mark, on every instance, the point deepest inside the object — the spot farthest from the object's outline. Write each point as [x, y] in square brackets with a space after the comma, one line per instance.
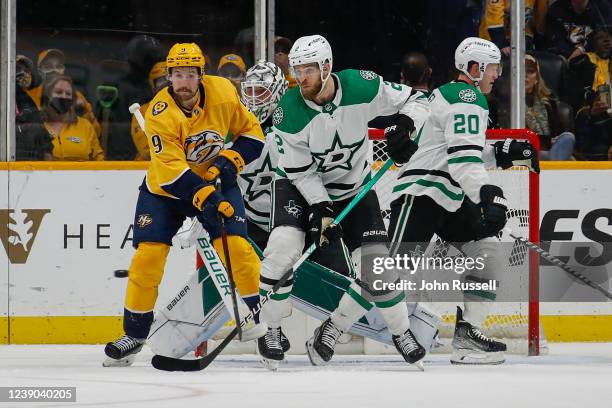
[400, 146]
[322, 230]
[226, 166]
[510, 152]
[208, 200]
[493, 208]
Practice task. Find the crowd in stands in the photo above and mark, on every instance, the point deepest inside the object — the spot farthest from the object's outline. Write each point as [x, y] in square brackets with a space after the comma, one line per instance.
[567, 84]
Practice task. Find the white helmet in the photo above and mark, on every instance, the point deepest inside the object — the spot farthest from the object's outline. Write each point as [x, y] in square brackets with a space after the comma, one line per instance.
[309, 49]
[480, 51]
[262, 88]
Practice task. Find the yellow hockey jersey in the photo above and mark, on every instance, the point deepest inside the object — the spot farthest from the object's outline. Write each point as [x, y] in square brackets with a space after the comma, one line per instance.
[184, 144]
[498, 10]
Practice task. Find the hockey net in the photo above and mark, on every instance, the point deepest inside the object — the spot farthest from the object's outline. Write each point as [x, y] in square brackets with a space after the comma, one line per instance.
[515, 323]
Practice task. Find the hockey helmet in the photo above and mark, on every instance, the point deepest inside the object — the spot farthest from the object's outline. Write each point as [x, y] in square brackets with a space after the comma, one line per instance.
[185, 55]
[480, 51]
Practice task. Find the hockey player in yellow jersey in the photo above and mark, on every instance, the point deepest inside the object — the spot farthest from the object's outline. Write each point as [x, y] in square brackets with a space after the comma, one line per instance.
[186, 126]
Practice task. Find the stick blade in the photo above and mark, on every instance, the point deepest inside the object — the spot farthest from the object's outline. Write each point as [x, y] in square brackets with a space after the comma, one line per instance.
[174, 364]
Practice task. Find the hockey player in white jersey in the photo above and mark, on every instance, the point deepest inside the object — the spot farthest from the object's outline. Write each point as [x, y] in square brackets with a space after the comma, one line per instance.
[323, 145]
[445, 189]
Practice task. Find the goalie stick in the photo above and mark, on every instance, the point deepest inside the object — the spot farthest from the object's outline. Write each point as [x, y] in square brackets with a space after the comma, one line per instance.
[177, 364]
[557, 262]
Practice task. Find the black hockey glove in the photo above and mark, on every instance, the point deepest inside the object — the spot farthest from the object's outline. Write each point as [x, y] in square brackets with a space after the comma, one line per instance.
[510, 152]
[400, 147]
[226, 166]
[322, 231]
[493, 208]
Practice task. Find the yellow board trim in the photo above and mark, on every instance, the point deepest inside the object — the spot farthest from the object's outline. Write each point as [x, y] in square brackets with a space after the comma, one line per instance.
[576, 165]
[4, 330]
[101, 329]
[144, 165]
[57, 165]
[65, 329]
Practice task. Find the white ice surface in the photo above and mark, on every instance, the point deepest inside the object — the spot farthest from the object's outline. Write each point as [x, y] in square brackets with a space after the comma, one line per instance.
[572, 375]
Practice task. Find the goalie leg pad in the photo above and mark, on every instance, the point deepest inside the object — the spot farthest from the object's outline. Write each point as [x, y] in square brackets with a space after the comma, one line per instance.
[424, 324]
[477, 304]
[284, 248]
[245, 263]
[144, 276]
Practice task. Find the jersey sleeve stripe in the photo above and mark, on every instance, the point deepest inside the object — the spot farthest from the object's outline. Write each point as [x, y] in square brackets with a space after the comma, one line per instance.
[454, 149]
[431, 184]
[423, 172]
[301, 169]
[465, 159]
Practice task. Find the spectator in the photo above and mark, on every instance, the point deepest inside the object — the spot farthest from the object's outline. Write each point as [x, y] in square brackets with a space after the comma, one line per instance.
[158, 80]
[570, 22]
[416, 72]
[32, 141]
[543, 117]
[282, 46]
[232, 67]
[495, 25]
[74, 138]
[50, 63]
[594, 119]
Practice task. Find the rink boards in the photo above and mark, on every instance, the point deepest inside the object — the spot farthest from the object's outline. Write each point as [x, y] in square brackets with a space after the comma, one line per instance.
[66, 227]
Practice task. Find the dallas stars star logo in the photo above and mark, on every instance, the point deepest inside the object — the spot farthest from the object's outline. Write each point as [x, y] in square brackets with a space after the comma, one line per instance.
[338, 156]
[293, 209]
[259, 180]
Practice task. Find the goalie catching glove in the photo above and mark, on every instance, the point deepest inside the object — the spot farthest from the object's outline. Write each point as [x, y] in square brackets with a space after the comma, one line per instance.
[493, 206]
[207, 199]
[510, 152]
[226, 166]
[400, 146]
[321, 229]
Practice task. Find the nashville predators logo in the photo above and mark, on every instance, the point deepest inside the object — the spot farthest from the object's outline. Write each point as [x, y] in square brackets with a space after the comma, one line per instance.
[159, 107]
[144, 220]
[203, 146]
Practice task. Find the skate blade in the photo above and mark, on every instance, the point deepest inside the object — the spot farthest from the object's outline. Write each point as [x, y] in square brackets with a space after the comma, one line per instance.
[313, 356]
[271, 365]
[419, 365]
[122, 362]
[474, 357]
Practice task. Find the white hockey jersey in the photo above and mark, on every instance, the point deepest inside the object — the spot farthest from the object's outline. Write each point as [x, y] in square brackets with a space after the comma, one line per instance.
[255, 181]
[453, 155]
[323, 149]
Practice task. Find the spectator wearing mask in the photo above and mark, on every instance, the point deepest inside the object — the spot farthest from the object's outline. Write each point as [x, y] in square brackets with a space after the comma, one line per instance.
[74, 138]
[51, 62]
[32, 141]
[570, 22]
[232, 67]
[542, 116]
[158, 80]
[282, 46]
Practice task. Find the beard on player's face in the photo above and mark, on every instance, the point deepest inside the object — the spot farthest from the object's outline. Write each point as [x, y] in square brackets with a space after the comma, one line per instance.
[311, 89]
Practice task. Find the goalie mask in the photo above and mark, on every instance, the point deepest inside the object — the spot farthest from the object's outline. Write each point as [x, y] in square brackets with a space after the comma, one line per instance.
[480, 51]
[263, 86]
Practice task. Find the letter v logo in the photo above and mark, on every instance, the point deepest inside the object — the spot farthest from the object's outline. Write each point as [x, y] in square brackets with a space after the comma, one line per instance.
[18, 230]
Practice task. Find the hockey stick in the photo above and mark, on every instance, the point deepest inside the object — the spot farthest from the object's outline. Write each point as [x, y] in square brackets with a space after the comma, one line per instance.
[176, 364]
[228, 265]
[556, 261]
